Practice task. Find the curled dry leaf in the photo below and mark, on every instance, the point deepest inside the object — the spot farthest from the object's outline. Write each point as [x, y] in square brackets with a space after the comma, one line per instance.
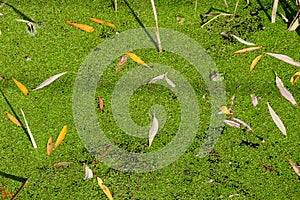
[157, 78]
[242, 123]
[248, 50]
[101, 103]
[104, 188]
[277, 120]
[242, 40]
[31, 26]
[294, 78]
[60, 164]
[82, 27]
[49, 80]
[232, 123]
[49, 146]
[254, 62]
[254, 100]
[28, 130]
[284, 58]
[284, 92]
[61, 136]
[225, 110]
[88, 173]
[153, 130]
[13, 119]
[137, 59]
[295, 167]
[21, 87]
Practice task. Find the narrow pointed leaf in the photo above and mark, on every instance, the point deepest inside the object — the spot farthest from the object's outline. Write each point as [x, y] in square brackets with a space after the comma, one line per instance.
[284, 92]
[100, 21]
[170, 83]
[88, 173]
[28, 130]
[82, 27]
[295, 167]
[242, 40]
[49, 80]
[284, 58]
[254, 62]
[104, 188]
[295, 23]
[294, 78]
[60, 164]
[248, 50]
[232, 100]
[49, 146]
[153, 130]
[13, 119]
[225, 110]
[137, 59]
[110, 25]
[21, 87]
[274, 10]
[61, 136]
[157, 78]
[101, 103]
[277, 120]
[254, 100]
[242, 123]
[122, 61]
[232, 123]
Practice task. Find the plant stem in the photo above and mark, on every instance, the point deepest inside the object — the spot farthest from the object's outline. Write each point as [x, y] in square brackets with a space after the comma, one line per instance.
[156, 25]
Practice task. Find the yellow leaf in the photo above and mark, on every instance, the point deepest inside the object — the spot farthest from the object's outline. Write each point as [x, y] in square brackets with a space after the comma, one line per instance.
[225, 110]
[21, 86]
[104, 188]
[83, 27]
[49, 146]
[111, 25]
[248, 50]
[61, 136]
[254, 62]
[12, 118]
[100, 21]
[137, 59]
[294, 78]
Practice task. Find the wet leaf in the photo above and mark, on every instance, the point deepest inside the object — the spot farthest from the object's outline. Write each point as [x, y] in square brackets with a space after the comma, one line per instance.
[13, 119]
[60, 164]
[225, 110]
[170, 83]
[294, 78]
[242, 123]
[242, 40]
[49, 146]
[49, 80]
[232, 123]
[61, 136]
[88, 173]
[28, 130]
[104, 188]
[248, 50]
[21, 87]
[284, 92]
[100, 21]
[277, 120]
[157, 78]
[295, 23]
[254, 100]
[153, 130]
[101, 103]
[82, 27]
[274, 10]
[295, 167]
[254, 62]
[137, 59]
[284, 58]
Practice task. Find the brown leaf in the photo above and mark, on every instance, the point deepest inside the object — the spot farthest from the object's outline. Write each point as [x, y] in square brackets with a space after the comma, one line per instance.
[63, 164]
[13, 119]
[101, 103]
[49, 146]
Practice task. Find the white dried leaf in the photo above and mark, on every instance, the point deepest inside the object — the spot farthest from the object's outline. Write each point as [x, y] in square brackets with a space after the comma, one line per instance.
[88, 173]
[153, 130]
[157, 78]
[242, 123]
[277, 120]
[28, 130]
[284, 58]
[254, 100]
[232, 100]
[242, 40]
[295, 23]
[284, 92]
[49, 80]
[170, 83]
[232, 123]
[274, 10]
[295, 167]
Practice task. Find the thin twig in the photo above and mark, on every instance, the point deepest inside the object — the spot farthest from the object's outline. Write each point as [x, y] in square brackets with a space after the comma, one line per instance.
[156, 25]
[226, 3]
[19, 190]
[236, 5]
[214, 18]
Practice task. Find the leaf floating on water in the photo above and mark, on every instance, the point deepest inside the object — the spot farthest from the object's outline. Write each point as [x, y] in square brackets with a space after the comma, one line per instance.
[254, 62]
[295, 167]
[61, 136]
[21, 87]
[100, 21]
[248, 50]
[13, 119]
[29, 131]
[225, 110]
[60, 164]
[170, 83]
[88, 173]
[137, 59]
[242, 123]
[254, 100]
[104, 188]
[122, 61]
[82, 27]
[101, 103]
[242, 40]
[232, 123]
[31, 26]
[295, 23]
[153, 130]
[49, 146]
[284, 58]
[284, 92]
[277, 120]
[157, 78]
[274, 10]
[294, 78]
[49, 80]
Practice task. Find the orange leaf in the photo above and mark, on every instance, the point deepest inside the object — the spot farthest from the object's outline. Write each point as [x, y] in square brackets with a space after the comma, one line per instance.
[255, 61]
[137, 59]
[61, 136]
[101, 103]
[21, 87]
[104, 188]
[99, 21]
[13, 119]
[62, 164]
[83, 27]
[49, 146]
[110, 25]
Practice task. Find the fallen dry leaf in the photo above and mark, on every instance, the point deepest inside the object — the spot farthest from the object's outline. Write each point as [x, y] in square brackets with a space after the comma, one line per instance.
[248, 50]
[82, 27]
[137, 59]
[254, 100]
[295, 167]
[61, 136]
[28, 130]
[294, 78]
[170, 83]
[49, 146]
[88, 173]
[274, 10]
[284, 92]
[284, 58]
[242, 123]
[100, 21]
[101, 103]
[49, 80]
[21, 87]
[254, 62]
[60, 164]
[13, 119]
[225, 110]
[277, 120]
[104, 188]
[153, 130]
[232, 123]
